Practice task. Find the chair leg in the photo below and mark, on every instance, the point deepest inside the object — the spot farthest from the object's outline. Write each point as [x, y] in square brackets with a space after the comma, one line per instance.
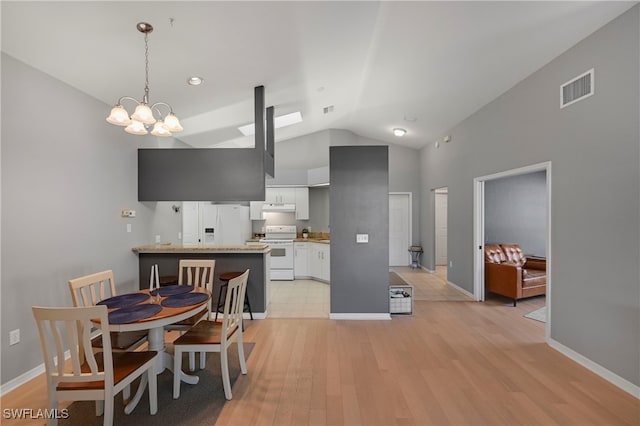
[222, 287]
[192, 361]
[203, 360]
[153, 390]
[126, 393]
[53, 405]
[107, 420]
[99, 408]
[243, 362]
[224, 367]
[246, 301]
[177, 368]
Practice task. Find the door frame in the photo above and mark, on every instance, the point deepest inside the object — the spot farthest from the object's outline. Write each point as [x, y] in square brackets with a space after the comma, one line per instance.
[478, 232]
[410, 233]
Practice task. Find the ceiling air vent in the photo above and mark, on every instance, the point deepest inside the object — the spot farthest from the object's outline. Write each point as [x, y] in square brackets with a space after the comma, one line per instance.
[576, 89]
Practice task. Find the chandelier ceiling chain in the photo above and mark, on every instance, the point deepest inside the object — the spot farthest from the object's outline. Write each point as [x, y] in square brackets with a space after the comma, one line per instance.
[146, 67]
[143, 120]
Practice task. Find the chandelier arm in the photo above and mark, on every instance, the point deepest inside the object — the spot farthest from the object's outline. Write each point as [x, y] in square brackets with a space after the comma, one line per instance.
[128, 98]
[154, 106]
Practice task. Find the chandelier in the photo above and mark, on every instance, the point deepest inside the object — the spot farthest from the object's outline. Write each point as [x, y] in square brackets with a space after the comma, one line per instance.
[142, 120]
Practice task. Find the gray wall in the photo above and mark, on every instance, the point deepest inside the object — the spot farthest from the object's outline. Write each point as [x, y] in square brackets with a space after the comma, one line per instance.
[595, 182]
[515, 211]
[359, 204]
[65, 179]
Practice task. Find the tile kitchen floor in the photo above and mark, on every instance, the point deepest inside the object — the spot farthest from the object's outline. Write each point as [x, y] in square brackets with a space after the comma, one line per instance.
[298, 299]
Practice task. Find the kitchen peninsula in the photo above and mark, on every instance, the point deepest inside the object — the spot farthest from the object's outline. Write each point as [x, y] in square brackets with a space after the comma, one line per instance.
[257, 258]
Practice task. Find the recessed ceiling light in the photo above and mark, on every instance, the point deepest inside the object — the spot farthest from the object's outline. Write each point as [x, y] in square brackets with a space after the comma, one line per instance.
[278, 122]
[399, 132]
[195, 81]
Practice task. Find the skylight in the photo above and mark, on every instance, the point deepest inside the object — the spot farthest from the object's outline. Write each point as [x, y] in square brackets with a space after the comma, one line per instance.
[278, 122]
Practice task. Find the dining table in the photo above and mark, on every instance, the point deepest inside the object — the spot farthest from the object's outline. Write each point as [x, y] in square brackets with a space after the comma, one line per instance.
[152, 311]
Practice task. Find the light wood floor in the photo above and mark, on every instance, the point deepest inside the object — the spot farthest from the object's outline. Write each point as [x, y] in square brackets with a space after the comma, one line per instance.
[430, 285]
[451, 363]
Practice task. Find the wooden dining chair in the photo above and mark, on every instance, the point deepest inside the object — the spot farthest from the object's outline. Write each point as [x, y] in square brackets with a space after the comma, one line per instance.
[198, 273]
[212, 336]
[91, 289]
[88, 376]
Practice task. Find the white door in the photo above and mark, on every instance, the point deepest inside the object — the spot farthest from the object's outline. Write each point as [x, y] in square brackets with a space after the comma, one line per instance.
[441, 227]
[399, 229]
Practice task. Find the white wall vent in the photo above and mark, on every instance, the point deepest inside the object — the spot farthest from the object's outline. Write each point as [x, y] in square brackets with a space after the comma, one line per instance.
[577, 89]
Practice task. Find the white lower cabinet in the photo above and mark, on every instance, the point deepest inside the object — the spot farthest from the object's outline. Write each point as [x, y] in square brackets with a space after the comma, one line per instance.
[301, 260]
[312, 260]
[320, 261]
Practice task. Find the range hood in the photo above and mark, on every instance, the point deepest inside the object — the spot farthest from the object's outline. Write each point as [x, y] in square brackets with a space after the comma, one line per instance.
[278, 207]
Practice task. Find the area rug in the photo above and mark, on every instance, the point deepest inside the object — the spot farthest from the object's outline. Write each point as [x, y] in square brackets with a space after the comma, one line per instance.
[538, 314]
[198, 404]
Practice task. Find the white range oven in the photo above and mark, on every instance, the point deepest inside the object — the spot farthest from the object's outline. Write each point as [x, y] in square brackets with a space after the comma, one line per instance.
[280, 240]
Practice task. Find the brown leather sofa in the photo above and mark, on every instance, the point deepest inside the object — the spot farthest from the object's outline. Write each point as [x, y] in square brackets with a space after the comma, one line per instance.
[509, 273]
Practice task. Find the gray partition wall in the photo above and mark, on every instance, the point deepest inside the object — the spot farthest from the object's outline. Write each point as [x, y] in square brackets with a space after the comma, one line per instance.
[359, 204]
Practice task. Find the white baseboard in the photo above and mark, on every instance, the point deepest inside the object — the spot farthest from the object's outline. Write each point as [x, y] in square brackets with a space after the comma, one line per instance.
[25, 377]
[606, 374]
[256, 315]
[424, 268]
[245, 315]
[357, 316]
[460, 289]
[21, 379]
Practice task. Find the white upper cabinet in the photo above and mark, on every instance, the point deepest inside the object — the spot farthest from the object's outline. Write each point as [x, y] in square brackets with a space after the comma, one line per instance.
[277, 195]
[302, 203]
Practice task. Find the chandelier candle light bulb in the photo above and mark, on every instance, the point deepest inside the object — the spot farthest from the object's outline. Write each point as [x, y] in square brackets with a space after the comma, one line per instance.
[141, 121]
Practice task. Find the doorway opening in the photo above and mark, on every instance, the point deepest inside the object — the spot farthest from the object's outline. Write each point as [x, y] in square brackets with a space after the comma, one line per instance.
[491, 228]
[440, 231]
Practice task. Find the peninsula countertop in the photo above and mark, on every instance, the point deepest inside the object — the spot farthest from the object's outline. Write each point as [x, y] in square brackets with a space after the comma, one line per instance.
[179, 248]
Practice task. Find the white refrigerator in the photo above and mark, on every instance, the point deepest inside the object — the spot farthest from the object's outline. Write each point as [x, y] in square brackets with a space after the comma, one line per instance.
[204, 223]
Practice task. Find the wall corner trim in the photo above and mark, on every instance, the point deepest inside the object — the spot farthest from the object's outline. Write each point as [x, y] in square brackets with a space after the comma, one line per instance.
[360, 316]
[606, 374]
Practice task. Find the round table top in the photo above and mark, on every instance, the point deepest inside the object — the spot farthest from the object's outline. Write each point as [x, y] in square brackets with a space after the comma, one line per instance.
[166, 316]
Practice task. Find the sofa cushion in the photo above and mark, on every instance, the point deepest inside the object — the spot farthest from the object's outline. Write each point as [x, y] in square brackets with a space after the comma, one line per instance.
[493, 254]
[533, 277]
[514, 254]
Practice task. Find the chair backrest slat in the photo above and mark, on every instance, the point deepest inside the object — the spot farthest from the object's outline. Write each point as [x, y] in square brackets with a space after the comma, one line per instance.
[91, 289]
[69, 329]
[196, 272]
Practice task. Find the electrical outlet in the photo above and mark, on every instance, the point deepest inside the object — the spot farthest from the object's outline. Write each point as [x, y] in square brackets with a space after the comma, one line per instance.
[128, 227]
[14, 337]
[451, 264]
[179, 235]
[158, 239]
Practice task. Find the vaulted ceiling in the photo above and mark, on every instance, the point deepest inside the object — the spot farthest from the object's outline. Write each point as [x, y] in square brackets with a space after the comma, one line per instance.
[422, 66]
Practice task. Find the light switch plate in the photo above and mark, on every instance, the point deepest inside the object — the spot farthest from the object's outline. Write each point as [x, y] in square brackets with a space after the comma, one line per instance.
[362, 238]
